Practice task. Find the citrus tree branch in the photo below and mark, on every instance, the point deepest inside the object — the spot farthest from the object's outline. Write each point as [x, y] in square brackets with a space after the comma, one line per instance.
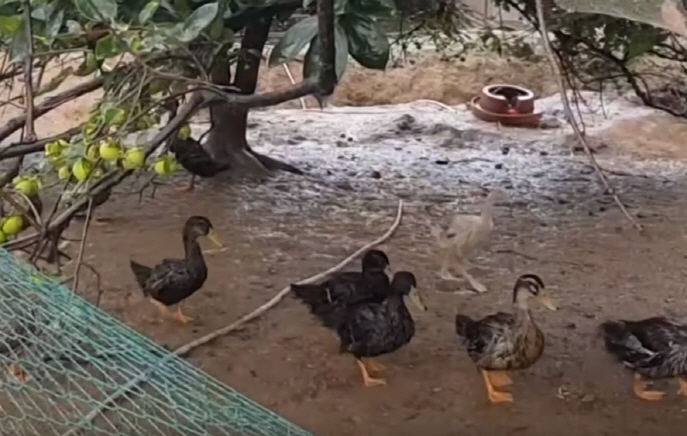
[16, 123]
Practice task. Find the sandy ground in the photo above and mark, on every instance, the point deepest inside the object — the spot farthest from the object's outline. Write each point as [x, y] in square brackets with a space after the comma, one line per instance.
[360, 161]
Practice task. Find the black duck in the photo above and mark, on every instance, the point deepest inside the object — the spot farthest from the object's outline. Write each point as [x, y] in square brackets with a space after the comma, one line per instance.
[174, 280]
[371, 329]
[345, 288]
[654, 348]
[191, 155]
[506, 341]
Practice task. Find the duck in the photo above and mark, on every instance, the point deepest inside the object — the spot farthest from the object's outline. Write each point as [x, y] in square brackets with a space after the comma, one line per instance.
[370, 329]
[194, 159]
[345, 288]
[465, 236]
[503, 341]
[174, 280]
[654, 348]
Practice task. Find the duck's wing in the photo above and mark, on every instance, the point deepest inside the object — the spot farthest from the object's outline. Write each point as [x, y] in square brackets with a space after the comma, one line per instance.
[191, 155]
[169, 275]
[356, 324]
[488, 337]
[653, 342]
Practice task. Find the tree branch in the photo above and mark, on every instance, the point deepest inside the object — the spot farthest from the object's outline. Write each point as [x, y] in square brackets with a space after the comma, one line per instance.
[23, 148]
[49, 104]
[30, 127]
[264, 99]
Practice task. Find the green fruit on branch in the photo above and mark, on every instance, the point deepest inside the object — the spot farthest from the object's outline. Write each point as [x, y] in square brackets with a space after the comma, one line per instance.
[13, 225]
[134, 158]
[3, 237]
[92, 152]
[90, 129]
[64, 172]
[55, 148]
[119, 118]
[184, 132]
[166, 165]
[28, 186]
[110, 150]
[82, 169]
[57, 161]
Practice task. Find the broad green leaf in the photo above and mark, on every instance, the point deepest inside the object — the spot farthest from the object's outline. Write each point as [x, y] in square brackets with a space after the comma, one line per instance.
[372, 8]
[53, 26]
[106, 47]
[341, 44]
[19, 45]
[112, 113]
[340, 7]
[74, 26]
[367, 43]
[97, 10]
[147, 12]
[9, 24]
[294, 41]
[217, 27]
[198, 21]
[312, 61]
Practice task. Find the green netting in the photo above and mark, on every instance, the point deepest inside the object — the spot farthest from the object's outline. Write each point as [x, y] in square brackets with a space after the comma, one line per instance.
[78, 356]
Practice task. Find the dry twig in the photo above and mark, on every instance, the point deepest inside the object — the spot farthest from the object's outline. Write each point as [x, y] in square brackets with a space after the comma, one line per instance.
[543, 29]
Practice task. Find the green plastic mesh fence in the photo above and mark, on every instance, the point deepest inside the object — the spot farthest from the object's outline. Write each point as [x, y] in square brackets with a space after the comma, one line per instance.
[62, 359]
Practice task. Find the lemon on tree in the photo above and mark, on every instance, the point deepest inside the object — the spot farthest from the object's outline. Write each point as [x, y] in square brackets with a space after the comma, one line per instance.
[93, 153]
[82, 169]
[13, 225]
[134, 158]
[3, 237]
[165, 165]
[27, 185]
[55, 148]
[64, 172]
[110, 150]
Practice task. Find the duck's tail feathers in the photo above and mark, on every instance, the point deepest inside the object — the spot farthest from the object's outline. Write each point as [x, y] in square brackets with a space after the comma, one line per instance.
[142, 273]
[620, 342]
[463, 323]
[310, 294]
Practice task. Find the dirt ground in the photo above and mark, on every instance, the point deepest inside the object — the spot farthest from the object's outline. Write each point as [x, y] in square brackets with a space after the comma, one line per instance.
[559, 225]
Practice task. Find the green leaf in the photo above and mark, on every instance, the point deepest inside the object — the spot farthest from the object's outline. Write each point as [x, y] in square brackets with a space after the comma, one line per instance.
[312, 61]
[52, 28]
[107, 47]
[341, 46]
[340, 7]
[97, 10]
[294, 41]
[198, 21]
[74, 26]
[9, 24]
[147, 12]
[217, 26]
[372, 8]
[368, 45]
[19, 45]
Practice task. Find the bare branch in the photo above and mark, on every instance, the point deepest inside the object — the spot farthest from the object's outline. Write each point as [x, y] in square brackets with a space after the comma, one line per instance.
[49, 104]
[23, 148]
[571, 117]
[30, 128]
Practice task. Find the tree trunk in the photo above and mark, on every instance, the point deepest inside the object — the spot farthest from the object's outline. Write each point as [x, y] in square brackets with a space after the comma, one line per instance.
[227, 139]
